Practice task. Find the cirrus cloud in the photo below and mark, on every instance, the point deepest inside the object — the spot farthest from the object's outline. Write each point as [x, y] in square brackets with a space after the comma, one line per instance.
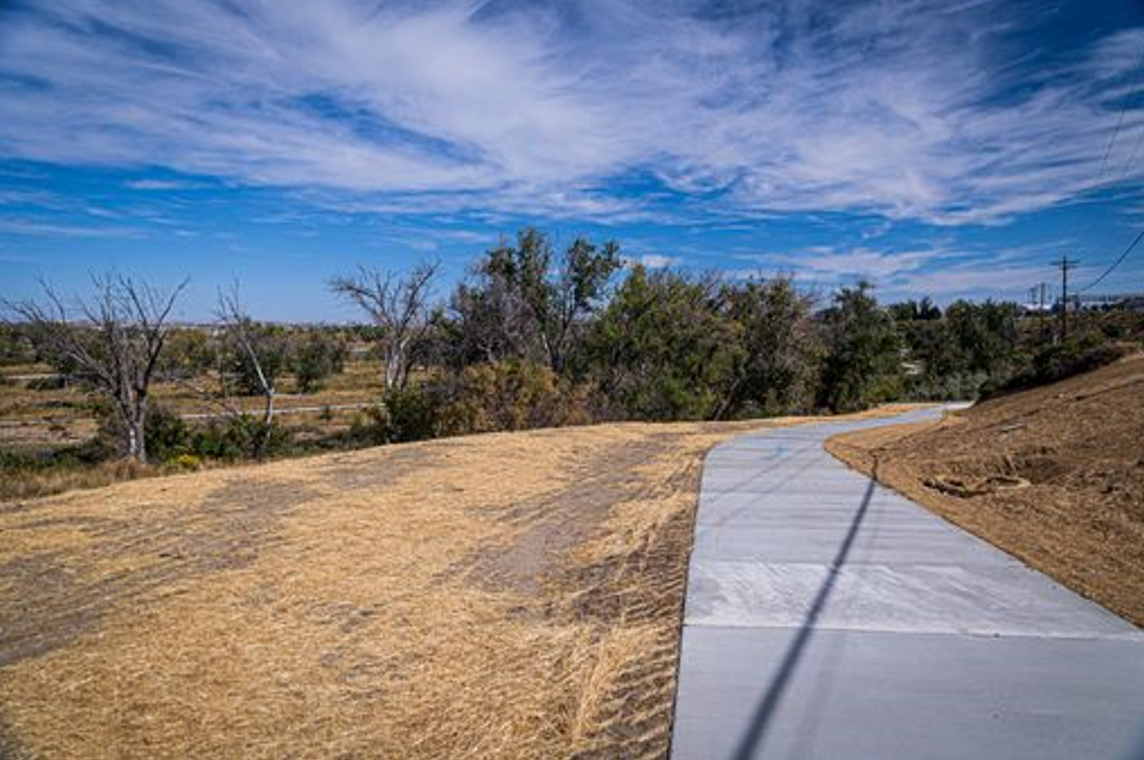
[915, 110]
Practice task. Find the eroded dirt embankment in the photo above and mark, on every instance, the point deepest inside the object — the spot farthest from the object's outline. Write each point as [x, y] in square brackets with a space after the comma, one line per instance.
[1053, 475]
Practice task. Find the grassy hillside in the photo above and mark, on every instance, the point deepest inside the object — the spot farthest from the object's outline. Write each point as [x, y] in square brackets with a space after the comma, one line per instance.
[1053, 475]
[506, 594]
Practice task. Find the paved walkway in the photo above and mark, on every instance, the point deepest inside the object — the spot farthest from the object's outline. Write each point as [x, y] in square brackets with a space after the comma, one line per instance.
[828, 617]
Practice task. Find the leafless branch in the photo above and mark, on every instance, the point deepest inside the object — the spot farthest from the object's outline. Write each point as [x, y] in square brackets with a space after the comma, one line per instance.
[114, 346]
[399, 305]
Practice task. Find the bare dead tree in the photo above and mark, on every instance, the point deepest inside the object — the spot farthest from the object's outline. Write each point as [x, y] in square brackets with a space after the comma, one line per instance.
[398, 305]
[250, 342]
[114, 346]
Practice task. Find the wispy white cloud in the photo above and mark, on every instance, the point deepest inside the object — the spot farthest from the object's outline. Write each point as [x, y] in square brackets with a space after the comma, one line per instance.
[912, 110]
[1010, 281]
[162, 184]
[824, 261]
[27, 197]
[657, 261]
[38, 228]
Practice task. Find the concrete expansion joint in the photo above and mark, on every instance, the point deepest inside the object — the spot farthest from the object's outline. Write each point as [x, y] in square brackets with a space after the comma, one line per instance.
[826, 616]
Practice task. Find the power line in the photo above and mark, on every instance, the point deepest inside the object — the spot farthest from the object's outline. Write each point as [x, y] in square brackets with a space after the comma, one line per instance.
[1078, 232]
[1114, 264]
[1119, 121]
[1123, 173]
[1132, 156]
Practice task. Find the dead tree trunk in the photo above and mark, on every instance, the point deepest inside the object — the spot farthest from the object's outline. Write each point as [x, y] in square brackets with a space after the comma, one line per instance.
[114, 347]
[399, 306]
[250, 342]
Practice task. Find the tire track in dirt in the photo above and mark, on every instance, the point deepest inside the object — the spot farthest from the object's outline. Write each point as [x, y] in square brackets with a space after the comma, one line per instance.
[54, 599]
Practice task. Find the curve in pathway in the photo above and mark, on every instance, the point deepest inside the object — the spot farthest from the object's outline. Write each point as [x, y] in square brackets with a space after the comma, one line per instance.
[829, 617]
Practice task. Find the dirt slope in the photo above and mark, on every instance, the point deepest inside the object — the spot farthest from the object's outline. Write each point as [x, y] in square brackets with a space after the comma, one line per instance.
[513, 595]
[1053, 475]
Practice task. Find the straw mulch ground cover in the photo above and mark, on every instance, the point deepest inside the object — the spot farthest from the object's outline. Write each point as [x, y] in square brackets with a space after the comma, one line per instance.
[501, 595]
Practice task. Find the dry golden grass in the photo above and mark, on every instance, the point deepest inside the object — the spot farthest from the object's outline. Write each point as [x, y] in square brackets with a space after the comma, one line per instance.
[32, 484]
[503, 595]
[1053, 475]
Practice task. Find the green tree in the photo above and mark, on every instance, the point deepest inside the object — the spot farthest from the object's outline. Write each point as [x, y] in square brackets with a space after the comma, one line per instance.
[316, 358]
[863, 363]
[984, 334]
[661, 350]
[776, 368]
[914, 311]
[189, 352]
[256, 355]
[529, 303]
[16, 345]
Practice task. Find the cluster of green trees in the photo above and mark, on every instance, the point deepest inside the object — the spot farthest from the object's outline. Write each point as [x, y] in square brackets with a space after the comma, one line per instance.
[310, 355]
[540, 336]
[544, 336]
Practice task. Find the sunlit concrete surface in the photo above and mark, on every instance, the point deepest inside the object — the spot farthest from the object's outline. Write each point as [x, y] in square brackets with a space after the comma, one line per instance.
[828, 617]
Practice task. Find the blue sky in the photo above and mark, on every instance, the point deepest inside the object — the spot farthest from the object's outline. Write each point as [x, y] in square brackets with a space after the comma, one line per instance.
[949, 148]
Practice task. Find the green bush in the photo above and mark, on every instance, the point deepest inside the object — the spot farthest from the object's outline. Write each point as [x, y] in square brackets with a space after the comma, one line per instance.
[166, 434]
[1057, 362]
[50, 383]
[239, 437]
[316, 359]
[959, 386]
[410, 414]
[67, 458]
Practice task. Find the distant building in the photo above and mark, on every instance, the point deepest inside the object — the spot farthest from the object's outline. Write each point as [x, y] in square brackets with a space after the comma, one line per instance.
[1107, 302]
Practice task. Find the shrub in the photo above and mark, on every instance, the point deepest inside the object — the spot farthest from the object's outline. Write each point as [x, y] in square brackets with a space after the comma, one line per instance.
[958, 386]
[50, 383]
[315, 360]
[25, 475]
[409, 414]
[239, 437]
[1057, 362]
[166, 434]
[512, 395]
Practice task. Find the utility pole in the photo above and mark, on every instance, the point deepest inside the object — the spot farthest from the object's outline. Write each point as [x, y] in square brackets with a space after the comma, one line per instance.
[1041, 309]
[1065, 265]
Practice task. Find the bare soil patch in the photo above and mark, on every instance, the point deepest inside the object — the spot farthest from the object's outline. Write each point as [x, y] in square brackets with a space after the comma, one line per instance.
[1053, 475]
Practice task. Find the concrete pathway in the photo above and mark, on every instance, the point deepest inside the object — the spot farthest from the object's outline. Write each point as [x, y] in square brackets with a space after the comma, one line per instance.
[828, 617]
